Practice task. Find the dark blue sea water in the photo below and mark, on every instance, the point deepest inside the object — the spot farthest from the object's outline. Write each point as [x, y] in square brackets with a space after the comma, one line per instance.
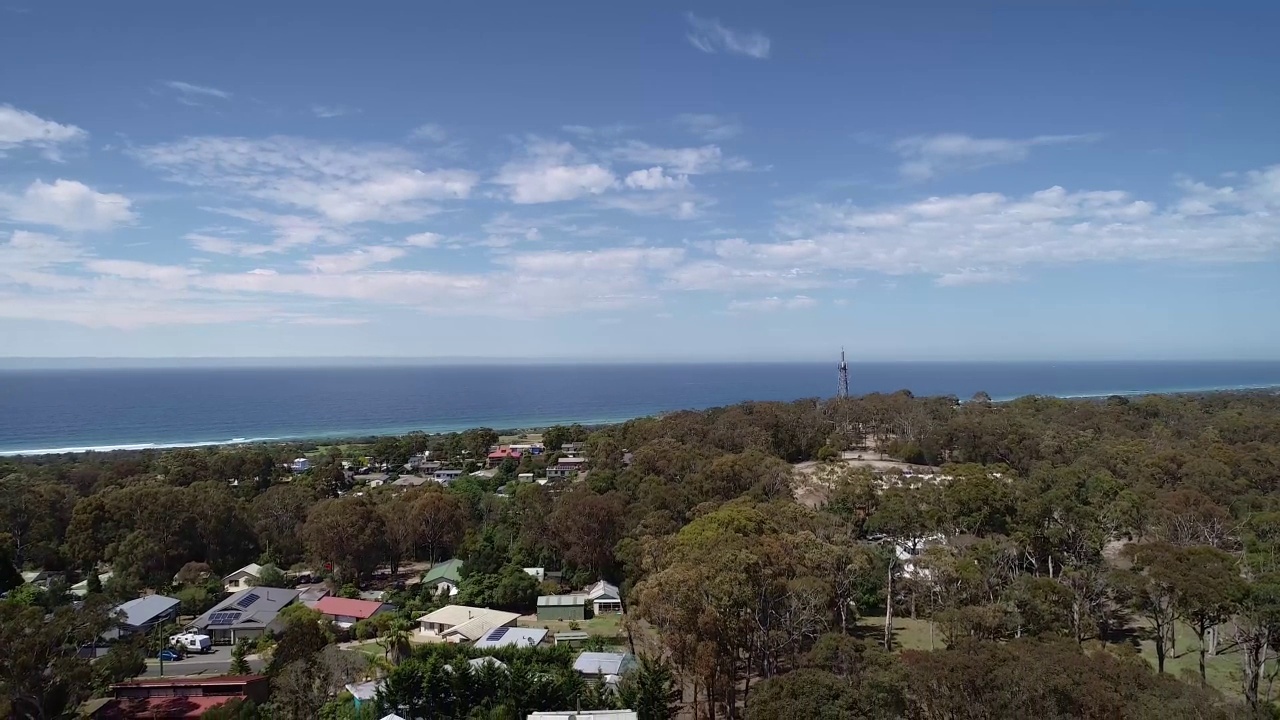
[70, 410]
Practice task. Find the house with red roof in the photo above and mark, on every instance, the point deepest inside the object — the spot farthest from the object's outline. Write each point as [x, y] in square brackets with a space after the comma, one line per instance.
[502, 453]
[346, 612]
[185, 697]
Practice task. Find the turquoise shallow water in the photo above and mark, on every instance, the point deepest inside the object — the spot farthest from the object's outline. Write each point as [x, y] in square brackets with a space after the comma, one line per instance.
[74, 410]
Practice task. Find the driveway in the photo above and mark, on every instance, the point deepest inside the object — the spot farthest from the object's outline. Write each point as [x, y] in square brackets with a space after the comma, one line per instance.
[214, 663]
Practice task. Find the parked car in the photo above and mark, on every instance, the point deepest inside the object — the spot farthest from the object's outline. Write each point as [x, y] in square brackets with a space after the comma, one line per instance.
[169, 655]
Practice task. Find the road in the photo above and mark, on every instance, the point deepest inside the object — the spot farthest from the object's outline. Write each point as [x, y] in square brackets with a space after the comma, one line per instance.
[215, 663]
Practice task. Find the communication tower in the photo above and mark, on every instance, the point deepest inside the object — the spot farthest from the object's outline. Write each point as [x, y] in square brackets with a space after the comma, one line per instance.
[842, 391]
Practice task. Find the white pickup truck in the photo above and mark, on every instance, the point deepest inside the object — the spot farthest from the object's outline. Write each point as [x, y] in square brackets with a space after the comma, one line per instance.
[192, 642]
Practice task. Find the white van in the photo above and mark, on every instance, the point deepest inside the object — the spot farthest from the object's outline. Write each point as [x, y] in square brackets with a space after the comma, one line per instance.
[192, 642]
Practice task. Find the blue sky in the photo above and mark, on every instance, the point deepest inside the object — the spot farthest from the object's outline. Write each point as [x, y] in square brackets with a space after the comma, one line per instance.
[640, 180]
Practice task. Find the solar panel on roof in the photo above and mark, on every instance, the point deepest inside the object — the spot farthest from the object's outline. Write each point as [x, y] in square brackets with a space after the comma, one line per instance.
[497, 633]
[224, 618]
[248, 600]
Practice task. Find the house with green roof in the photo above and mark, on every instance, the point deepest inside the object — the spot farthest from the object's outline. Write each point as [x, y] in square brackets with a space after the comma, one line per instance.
[444, 577]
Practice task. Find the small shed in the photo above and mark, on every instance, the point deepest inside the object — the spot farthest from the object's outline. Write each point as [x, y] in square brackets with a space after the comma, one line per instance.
[572, 638]
[562, 607]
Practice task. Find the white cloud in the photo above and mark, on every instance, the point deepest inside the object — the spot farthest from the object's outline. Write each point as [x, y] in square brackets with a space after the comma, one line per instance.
[655, 179]
[357, 259]
[769, 304]
[423, 240]
[553, 172]
[926, 156]
[709, 127]
[709, 36]
[190, 91]
[20, 128]
[224, 246]
[973, 276]
[684, 161]
[677, 205]
[333, 111]
[164, 275]
[990, 236]
[429, 132]
[67, 204]
[343, 184]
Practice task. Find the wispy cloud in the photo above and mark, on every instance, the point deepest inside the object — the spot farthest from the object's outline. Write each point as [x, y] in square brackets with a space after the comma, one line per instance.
[927, 156]
[429, 132]
[19, 128]
[770, 304]
[344, 184]
[708, 126]
[333, 111]
[709, 36]
[189, 93]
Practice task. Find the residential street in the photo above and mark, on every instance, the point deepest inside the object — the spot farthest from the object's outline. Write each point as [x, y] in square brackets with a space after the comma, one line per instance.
[215, 663]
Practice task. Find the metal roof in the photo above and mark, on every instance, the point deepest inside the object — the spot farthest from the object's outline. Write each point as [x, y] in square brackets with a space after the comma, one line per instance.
[509, 636]
[561, 600]
[603, 663]
[140, 611]
[266, 604]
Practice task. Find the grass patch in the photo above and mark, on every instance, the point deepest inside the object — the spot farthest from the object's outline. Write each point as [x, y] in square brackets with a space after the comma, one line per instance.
[607, 626]
[1221, 671]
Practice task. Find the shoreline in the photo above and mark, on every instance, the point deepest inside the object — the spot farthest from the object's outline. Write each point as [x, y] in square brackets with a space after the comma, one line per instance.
[521, 426]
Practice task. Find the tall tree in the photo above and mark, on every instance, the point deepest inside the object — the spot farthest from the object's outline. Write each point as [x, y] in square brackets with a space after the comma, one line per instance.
[347, 533]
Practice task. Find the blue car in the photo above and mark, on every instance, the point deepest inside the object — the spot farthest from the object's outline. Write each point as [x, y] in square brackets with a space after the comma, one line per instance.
[169, 655]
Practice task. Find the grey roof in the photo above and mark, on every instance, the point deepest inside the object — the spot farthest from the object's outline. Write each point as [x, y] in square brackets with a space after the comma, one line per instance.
[603, 663]
[252, 608]
[410, 481]
[140, 611]
[604, 590]
[509, 637]
[561, 600]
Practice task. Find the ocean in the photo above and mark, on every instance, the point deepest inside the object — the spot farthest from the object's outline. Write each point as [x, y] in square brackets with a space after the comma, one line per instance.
[47, 411]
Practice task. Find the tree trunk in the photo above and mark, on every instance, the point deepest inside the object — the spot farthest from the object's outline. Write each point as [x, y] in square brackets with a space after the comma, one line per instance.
[1213, 641]
[1160, 648]
[1200, 633]
[888, 610]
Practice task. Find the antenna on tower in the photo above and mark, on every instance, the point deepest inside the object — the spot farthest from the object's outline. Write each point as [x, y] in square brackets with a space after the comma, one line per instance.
[842, 391]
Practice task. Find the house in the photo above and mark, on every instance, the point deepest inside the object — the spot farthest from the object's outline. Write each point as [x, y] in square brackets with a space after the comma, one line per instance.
[562, 607]
[300, 465]
[460, 623]
[245, 577]
[408, 481]
[81, 588]
[39, 578]
[512, 637]
[445, 577]
[605, 598]
[345, 612]
[310, 595]
[446, 476]
[246, 614]
[573, 449]
[370, 479]
[365, 692]
[486, 661]
[142, 614]
[538, 574]
[497, 457]
[584, 715]
[524, 477]
[177, 697]
[604, 666]
[565, 467]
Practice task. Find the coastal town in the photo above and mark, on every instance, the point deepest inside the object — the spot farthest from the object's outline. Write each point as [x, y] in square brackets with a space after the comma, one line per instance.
[884, 550]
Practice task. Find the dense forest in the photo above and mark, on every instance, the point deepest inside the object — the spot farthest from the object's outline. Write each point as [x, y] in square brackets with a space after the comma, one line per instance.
[886, 556]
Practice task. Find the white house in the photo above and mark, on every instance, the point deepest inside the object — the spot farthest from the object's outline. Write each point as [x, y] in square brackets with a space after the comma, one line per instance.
[460, 623]
[242, 579]
[605, 598]
[300, 465]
